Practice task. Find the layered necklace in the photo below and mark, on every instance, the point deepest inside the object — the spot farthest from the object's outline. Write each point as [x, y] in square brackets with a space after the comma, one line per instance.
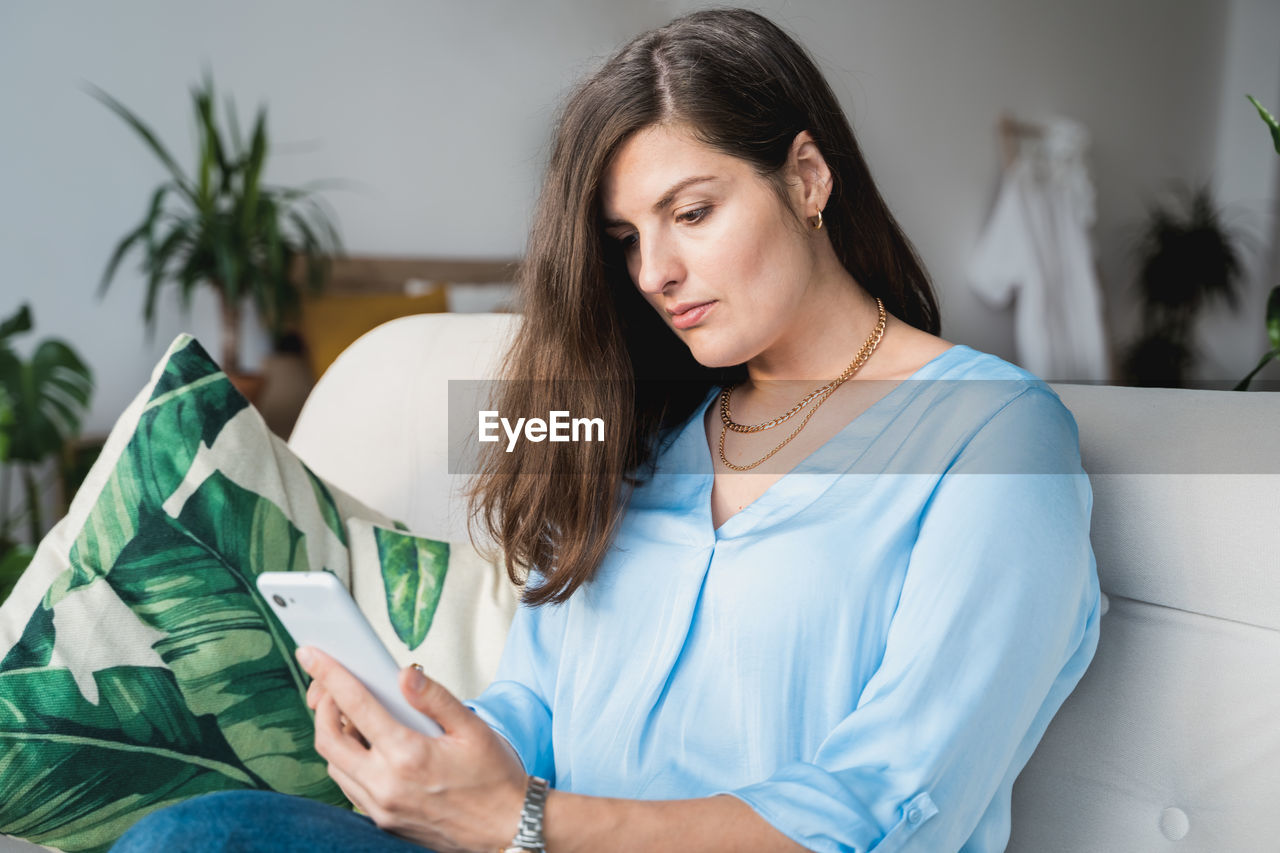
[816, 397]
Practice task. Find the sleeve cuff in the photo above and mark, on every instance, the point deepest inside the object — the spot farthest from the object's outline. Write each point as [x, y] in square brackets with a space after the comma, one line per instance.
[824, 812]
[515, 713]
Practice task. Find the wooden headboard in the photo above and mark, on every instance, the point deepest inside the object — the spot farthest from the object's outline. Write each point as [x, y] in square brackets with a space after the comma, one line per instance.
[353, 274]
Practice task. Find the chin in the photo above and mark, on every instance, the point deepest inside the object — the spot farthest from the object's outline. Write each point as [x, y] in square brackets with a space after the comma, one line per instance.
[709, 354]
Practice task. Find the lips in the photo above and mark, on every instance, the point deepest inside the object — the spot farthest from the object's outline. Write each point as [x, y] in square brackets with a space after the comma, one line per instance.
[690, 313]
[686, 306]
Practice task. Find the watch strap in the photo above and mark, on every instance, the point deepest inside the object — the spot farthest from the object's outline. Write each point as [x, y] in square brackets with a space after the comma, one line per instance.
[529, 836]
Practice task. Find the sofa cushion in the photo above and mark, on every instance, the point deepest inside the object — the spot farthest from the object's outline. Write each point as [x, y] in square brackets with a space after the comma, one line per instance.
[1170, 736]
[139, 666]
[1185, 496]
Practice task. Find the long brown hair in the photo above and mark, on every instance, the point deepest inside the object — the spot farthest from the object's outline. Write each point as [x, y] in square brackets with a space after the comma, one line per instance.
[745, 88]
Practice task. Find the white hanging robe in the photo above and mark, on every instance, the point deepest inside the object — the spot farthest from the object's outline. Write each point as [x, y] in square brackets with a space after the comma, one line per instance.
[1037, 242]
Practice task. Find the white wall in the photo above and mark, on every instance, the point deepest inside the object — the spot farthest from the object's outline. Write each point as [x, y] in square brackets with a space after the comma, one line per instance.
[440, 112]
[1153, 81]
[437, 112]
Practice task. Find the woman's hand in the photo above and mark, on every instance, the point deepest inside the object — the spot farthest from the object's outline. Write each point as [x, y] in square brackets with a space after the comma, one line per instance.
[461, 791]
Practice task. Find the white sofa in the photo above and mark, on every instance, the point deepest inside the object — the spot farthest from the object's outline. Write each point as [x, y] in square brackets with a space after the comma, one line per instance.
[1172, 739]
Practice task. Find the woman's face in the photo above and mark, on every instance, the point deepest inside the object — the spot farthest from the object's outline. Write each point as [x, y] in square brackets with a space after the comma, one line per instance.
[708, 243]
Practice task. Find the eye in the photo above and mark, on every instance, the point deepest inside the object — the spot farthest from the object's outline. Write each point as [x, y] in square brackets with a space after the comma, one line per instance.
[693, 217]
[626, 241]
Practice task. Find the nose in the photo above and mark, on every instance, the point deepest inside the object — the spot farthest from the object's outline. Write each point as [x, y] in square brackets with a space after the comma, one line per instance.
[659, 266]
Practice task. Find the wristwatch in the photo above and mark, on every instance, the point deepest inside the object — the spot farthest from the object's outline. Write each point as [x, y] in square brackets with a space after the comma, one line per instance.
[529, 838]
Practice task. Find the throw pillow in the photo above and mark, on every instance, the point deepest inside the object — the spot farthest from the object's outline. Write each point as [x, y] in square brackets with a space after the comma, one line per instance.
[139, 666]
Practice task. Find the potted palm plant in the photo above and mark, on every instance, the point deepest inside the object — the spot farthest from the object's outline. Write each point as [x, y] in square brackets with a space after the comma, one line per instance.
[42, 403]
[224, 228]
[1188, 259]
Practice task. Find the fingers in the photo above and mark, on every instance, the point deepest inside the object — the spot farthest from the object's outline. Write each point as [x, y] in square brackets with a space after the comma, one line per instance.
[356, 702]
[347, 748]
[434, 700]
[315, 695]
[355, 792]
[349, 729]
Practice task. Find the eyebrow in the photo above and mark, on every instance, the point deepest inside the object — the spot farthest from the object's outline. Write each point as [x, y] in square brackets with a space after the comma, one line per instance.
[667, 198]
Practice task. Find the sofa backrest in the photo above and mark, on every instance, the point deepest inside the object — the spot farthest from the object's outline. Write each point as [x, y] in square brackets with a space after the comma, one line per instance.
[1171, 735]
[375, 425]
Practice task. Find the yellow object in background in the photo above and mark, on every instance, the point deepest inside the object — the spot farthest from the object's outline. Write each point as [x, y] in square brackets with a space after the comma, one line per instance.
[332, 322]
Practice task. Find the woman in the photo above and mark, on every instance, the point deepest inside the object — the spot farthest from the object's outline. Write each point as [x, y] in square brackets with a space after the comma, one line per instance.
[818, 607]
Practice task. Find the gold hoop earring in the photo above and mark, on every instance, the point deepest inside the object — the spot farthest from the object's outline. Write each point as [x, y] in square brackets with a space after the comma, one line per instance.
[816, 226]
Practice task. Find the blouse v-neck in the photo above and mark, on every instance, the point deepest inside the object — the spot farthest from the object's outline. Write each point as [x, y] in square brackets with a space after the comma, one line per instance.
[791, 493]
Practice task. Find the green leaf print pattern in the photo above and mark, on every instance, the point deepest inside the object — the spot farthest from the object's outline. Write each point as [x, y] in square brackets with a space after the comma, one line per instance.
[328, 508]
[177, 420]
[128, 753]
[413, 571]
[229, 710]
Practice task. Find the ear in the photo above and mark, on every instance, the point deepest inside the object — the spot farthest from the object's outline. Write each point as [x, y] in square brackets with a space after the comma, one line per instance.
[811, 176]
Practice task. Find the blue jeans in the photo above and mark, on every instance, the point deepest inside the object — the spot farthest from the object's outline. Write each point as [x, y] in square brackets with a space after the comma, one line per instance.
[249, 820]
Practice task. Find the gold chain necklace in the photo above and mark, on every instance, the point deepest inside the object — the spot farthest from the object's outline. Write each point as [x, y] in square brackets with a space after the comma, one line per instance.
[820, 395]
[862, 356]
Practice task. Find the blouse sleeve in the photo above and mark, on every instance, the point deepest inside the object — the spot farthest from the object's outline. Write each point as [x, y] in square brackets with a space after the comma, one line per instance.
[517, 704]
[996, 621]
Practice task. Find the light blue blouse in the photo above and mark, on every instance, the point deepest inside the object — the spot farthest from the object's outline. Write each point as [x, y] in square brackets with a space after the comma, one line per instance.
[866, 655]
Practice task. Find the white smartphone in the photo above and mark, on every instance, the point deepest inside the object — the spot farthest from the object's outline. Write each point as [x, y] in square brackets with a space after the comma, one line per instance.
[318, 611]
